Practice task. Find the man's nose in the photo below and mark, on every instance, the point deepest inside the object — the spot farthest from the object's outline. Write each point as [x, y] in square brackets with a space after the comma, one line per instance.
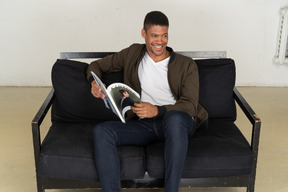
[160, 39]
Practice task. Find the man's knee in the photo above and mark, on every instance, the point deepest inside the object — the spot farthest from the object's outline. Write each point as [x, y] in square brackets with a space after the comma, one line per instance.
[102, 132]
[177, 117]
[178, 121]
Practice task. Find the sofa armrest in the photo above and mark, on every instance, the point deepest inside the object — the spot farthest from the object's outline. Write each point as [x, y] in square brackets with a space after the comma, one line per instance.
[246, 108]
[256, 125]
[252, 116]
[40, 115]
[36, 122]
[254, 119]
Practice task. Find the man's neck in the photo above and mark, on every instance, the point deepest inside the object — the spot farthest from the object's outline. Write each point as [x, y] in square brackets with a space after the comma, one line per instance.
[159, 57]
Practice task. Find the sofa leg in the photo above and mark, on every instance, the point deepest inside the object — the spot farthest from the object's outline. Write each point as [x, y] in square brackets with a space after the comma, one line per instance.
[40, 189]
[251, 187]
[251, 182]
[39, 186]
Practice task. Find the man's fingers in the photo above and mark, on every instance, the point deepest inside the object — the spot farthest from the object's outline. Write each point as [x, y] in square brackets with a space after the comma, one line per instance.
[96, 90]
[144, 109]
[99, 95]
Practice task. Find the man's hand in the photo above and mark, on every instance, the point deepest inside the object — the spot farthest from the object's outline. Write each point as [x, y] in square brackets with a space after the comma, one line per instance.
[144, 109]
[96, 90]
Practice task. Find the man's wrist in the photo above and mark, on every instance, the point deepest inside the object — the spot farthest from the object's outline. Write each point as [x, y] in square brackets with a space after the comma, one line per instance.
[92, 83]
[156, 111]
[161, 111]
[91, 79]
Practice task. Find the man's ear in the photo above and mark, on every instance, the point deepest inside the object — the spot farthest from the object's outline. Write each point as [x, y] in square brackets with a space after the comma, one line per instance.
[143, 33]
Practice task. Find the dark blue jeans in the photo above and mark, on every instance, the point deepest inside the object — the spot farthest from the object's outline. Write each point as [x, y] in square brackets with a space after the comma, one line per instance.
[174, 128]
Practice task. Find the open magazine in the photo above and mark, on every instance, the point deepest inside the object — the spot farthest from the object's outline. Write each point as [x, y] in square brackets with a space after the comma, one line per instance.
[118, 97]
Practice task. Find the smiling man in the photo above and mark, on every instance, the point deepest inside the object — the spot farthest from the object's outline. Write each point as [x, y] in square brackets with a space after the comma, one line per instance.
[156, 39]
[169, 110]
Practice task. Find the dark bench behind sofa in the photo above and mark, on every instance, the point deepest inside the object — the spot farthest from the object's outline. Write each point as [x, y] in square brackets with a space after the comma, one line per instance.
[219, 156]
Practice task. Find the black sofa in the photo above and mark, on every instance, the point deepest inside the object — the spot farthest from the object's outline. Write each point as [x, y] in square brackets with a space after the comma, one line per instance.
[219, 156]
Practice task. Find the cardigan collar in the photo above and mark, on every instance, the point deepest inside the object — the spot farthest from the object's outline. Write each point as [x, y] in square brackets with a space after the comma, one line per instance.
[172, 53]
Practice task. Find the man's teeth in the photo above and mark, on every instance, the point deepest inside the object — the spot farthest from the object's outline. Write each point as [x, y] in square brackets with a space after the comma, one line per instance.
[158, 46]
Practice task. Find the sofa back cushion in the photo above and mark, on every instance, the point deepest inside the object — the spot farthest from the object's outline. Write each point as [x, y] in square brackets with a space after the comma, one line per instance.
[74, 102]
[217, 80]
[73, 99]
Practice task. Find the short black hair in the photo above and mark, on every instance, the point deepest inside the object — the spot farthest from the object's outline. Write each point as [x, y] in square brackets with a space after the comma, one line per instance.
[155, 18]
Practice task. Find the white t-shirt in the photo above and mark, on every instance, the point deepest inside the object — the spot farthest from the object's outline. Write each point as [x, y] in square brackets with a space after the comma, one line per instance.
[154, 83]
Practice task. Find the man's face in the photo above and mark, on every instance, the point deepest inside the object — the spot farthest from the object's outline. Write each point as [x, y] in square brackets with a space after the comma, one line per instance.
[156, 38]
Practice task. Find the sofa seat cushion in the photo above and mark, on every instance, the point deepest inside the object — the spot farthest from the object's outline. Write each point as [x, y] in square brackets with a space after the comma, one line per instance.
[218, 151]
[67, 152]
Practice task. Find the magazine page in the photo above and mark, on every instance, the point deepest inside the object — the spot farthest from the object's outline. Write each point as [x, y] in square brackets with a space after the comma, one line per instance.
[110, 104]
[123, 96]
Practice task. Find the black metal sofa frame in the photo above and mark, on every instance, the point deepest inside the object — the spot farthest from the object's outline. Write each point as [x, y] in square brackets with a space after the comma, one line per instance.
[243, 179]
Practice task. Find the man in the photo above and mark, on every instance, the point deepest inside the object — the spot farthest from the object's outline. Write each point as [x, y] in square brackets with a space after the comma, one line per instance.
[169, 109]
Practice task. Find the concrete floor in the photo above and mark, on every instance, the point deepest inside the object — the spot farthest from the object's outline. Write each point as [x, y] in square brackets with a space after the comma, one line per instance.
[19, 105]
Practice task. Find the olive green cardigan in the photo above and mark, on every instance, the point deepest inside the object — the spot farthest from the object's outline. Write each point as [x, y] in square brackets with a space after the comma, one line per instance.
[182, 77]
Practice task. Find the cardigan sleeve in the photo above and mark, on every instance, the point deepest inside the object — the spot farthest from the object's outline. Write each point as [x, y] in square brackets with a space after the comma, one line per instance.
[111, 63]
[184, 83]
